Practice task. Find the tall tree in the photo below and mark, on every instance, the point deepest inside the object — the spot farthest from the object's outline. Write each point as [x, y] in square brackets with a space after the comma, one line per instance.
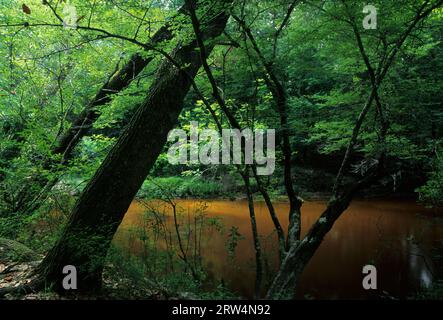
[37, 188]
[279, 94]
[286, 280]
[92, 223]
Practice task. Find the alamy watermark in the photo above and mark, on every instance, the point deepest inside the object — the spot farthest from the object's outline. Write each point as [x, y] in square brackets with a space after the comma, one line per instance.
[70, 17]
[370, 280]
[370, 21]
[233, 146]
[70, 281]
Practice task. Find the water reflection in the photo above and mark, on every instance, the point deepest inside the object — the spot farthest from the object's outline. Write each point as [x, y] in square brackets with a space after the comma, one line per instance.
[395, 236]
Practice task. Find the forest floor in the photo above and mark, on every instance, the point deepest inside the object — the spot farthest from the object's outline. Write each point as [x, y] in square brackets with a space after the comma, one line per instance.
[18, 262]
[114, 288]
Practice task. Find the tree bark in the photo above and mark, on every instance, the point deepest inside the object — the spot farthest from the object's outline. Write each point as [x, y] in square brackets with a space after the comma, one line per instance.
[105, 200]
[286, 280]
[255, 235]
[279, 95]
[33, 191]
[284, 284]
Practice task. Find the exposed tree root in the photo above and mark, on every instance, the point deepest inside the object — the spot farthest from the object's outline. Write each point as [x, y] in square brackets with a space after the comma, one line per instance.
[33, 287]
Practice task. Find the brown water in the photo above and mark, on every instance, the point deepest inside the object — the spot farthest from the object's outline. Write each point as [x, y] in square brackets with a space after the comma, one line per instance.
[395, 236]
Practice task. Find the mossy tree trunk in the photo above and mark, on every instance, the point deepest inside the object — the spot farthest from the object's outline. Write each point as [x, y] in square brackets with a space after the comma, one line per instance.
[105, 200]
[36, 189]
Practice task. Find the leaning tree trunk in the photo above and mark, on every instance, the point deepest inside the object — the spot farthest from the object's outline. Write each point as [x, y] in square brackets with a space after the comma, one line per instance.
[33, 191]
[105, 200]
[286, 280]
[284, 284]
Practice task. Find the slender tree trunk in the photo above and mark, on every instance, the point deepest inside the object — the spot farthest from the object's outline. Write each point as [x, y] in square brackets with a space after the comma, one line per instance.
[279, 95]
[285, 283]
[273, 214]
[234, 123]
[105, 200]
[255, 235]
[286, 280]
[183, 252]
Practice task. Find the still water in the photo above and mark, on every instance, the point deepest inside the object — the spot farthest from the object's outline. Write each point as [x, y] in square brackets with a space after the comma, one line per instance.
[396, 236]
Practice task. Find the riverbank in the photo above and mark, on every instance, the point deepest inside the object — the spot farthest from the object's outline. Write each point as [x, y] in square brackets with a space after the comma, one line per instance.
[311, 185]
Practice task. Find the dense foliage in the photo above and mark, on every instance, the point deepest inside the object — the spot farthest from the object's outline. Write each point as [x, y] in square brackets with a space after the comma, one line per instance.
[49, 74]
